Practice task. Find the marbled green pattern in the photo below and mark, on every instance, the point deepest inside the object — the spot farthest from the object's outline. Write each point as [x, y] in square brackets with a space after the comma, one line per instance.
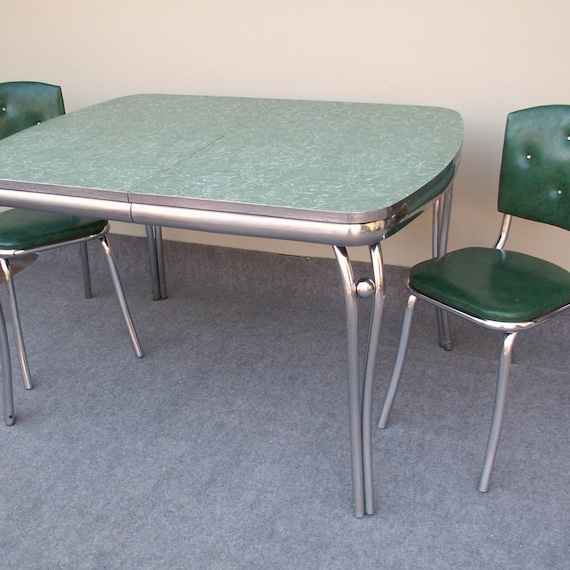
[343, 162]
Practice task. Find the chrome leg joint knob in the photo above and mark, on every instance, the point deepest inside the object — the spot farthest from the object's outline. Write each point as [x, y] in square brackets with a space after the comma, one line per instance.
[365, 287]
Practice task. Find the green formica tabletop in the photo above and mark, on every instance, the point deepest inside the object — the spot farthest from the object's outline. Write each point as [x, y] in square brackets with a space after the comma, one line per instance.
[325, 172]
[343, 174]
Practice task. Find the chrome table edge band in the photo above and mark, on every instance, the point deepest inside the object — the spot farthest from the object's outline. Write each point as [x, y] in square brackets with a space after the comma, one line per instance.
[328, 233]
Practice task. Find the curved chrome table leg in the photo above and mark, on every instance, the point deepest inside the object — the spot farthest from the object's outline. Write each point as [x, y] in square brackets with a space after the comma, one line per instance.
[160, 261]
[84, 254]
[155, 250]
[360, 405]
[377, 294]
[441, 216]
[153, 262]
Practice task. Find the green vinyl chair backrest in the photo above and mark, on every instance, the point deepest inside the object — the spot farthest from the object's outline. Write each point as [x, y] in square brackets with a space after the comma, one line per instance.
[27, 103]
[535, 170]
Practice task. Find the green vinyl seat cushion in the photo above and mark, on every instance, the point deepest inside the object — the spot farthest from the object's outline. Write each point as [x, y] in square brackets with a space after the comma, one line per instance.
[493, 284]
[27, 229]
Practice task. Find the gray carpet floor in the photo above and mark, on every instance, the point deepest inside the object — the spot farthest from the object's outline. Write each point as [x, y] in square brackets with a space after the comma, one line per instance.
[227, 446]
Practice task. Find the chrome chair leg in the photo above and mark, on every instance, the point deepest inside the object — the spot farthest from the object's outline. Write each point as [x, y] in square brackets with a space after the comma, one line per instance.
[399, 364]
[7, 387]
[5, 264]
[86, 270]
[498, 411]
[120, 295]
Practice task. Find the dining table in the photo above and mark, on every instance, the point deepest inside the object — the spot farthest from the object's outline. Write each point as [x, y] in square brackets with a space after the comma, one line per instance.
[344, 174]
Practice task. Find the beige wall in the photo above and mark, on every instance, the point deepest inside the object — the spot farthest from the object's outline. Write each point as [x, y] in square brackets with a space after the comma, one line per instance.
[481, 58]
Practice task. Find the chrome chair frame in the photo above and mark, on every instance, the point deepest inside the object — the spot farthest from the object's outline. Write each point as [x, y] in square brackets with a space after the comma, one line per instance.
[25, 104]
[510, 331]
[7, 255]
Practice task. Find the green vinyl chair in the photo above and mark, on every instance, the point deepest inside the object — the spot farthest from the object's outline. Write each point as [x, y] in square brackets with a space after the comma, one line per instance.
[499, 289]
[25, 233]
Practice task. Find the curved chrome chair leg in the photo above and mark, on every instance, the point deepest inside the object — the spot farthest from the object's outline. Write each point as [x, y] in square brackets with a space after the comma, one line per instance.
[7, 273]
[120, 295]
[399, 364]
[498, 411]
[7, 387]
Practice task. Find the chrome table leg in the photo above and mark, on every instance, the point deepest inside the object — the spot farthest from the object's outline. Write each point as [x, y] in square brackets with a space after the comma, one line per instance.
[153, 255]
[441, 217]
[84, 255]
[360, 403]
[7, 386]
[156, 258]
[160, 261]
